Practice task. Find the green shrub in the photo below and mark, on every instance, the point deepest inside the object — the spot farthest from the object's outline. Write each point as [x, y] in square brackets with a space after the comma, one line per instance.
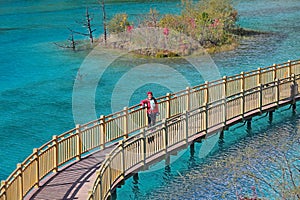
[207, 21]
[118, 23]
[150, 19]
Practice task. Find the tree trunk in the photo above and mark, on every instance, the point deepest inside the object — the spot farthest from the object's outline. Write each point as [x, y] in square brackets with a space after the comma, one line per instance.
[104, 21]
[88, 24]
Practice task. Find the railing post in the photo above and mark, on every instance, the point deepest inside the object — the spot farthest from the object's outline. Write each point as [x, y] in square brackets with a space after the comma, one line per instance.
[144, 146]
[165, 128]
[274, 68]
[206, 98]
[188, 98]
[121, 148]
[290, 68]
[224, 97]
[242, 82]
[295, 87]
[109, 173]
[102, 132]
[277, 82]
[243, 94]
[145, 118]
[186, 126]
[20, 179]
[168, 110]
[37, 173]
[125, 122]
[55, 157]
[78, 142]
[98, 174]
[225, 111]
[260, 97]
[206, 117]
[3, 184]
[224, 87]
[259, 76]
[243, 104]
[294, 91]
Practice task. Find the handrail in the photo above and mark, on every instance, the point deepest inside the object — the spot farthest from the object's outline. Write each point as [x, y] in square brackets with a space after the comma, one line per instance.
[98, 133]
[216, 107]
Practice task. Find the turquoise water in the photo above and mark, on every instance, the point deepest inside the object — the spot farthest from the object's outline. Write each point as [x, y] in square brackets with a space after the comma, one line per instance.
[191, 177]
[37, 78]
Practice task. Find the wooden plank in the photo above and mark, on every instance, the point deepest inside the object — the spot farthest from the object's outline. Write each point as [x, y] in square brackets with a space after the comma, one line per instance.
[73, 181]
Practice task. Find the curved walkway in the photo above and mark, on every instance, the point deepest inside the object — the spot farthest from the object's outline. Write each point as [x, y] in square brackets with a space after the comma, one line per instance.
[75, 180]
[72, 181]
[185, 115]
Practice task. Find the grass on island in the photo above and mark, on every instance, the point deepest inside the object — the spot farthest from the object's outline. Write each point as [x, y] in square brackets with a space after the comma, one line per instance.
[205, 25]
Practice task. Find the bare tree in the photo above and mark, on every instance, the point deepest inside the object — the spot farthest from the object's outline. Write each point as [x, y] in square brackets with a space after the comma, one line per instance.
[104, 20]
[72, 44]
[150, 19]
[88, 25]
[154, 17]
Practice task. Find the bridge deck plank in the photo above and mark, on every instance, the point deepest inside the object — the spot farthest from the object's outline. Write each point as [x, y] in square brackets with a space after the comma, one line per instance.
[72, 181]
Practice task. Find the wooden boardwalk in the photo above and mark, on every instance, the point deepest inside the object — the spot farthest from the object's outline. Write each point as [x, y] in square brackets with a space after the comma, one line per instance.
[185, 116]
[71, 182]
[75, 180]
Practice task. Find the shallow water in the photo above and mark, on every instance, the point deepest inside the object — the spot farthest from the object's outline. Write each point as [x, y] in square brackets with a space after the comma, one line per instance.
[37, 78]
[191, 176]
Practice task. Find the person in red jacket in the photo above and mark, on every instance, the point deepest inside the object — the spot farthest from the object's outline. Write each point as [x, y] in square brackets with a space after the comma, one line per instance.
[152, 108]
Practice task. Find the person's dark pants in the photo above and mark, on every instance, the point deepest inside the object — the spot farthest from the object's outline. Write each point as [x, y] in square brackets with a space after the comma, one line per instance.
[151, 119]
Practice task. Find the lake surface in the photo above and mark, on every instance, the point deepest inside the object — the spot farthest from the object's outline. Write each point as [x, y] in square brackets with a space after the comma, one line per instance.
[37, 80]
[219, 174]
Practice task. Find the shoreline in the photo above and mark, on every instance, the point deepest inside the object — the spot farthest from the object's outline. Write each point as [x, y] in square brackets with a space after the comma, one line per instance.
[123, 45]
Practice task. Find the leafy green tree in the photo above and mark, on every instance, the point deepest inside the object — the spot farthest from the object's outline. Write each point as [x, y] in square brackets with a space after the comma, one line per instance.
[207, 21]
[118, 23]
[173, 22]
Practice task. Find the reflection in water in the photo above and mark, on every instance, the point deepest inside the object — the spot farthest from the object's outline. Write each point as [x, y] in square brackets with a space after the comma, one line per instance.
[221, 142]
[270, 117]
[218, 176]
[192, 159]
[135, 188]
[167, 173]
[192, 150]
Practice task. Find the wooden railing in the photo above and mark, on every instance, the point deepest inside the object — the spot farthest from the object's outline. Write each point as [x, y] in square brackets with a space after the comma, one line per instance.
[182, 114]
[194, 112]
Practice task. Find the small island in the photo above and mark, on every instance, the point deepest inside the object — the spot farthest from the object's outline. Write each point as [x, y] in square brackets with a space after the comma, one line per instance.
[209, 25]
[206, 24]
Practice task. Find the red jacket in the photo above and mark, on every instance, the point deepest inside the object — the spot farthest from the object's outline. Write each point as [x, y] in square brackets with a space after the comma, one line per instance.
[147, 103]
